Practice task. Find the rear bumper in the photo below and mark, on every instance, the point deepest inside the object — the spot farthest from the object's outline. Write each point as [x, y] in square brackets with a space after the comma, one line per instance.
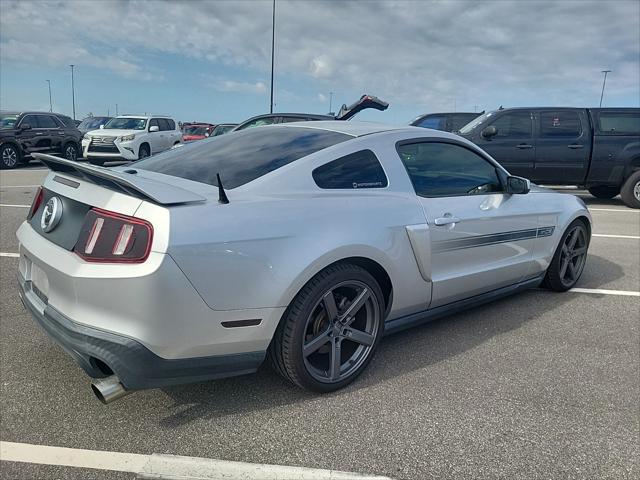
[136, 366]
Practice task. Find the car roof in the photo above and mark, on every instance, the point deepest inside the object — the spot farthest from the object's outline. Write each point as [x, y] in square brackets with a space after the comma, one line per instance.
[355, 129]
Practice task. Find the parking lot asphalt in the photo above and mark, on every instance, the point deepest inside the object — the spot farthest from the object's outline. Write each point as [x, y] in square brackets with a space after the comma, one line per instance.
[538, 385]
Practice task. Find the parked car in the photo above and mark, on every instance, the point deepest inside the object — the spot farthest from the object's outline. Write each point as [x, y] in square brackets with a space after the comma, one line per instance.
[196, 131]
[447, 122]
[345, 113]
[301, 243]
[92, 123]
[596, 148]
[130, 137]
[25, 133]
[223, 128]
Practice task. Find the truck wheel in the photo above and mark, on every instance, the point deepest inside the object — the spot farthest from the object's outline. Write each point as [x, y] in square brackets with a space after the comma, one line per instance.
[630, 192]
[604, 191]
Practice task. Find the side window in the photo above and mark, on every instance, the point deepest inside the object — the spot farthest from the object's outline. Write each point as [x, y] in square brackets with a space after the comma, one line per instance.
[560, 124]
[45, 121]
[154, 123]
[514, 125]
[437, 123]
[444, 170]
[31, 120]
[357, 170]
[614, 123]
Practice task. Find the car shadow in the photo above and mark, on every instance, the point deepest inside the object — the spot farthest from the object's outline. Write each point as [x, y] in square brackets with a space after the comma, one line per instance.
[397, 355]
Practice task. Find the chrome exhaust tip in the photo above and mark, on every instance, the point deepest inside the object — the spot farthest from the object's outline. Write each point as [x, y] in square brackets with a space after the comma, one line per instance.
[108, 389]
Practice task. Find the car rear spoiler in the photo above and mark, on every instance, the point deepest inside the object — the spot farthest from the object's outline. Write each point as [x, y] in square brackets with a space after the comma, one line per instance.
[366, 101]
[127, 183]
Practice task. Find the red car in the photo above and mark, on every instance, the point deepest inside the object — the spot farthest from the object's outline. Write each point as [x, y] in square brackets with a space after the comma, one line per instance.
[196, 131]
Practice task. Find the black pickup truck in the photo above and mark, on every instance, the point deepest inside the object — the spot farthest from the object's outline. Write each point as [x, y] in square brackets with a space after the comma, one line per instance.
[598, 148]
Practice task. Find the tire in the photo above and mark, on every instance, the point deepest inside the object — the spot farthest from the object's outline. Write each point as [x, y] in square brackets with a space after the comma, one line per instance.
[9, 156]
[352, 335]
[96, 161]
[559, 277]
[603, 191]
[70, 151]
[630, 192]
[144, 151]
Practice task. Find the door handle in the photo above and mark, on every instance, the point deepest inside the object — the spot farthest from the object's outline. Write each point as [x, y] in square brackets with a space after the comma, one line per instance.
[447, 219]
[575, 146]
[523, 146]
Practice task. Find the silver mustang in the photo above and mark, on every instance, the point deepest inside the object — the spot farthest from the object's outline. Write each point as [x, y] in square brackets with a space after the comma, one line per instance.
[302, 242]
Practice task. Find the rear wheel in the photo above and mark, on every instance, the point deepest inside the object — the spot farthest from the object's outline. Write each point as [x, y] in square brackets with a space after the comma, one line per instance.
[71, 151]
[630, 192]
[603, 191]
[331, 329]
[9, 156]
[569, 259]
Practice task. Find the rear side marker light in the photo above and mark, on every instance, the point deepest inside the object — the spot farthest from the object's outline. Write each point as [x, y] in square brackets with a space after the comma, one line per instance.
[109, 237]
[35, 205]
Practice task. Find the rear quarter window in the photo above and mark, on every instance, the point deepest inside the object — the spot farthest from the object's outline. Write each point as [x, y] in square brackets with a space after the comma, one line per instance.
[357, 170]
[241, 157]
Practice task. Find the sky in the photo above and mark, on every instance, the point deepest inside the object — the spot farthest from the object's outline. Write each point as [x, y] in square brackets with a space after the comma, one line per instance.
[210, 60]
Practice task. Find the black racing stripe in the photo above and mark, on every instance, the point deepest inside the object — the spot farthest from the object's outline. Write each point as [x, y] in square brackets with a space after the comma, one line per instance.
[491, 239]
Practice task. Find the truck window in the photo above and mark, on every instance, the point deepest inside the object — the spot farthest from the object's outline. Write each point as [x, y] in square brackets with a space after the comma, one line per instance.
[613, 123]
[564, 123]
[514, 125]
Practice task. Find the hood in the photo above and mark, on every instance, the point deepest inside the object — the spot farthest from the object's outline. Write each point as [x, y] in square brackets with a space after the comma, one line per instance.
[112, 132]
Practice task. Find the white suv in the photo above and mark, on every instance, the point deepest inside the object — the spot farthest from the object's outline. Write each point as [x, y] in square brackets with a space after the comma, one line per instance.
[130, 137]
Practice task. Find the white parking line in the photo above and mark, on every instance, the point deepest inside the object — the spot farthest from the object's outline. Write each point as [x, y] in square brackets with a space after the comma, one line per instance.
[10, 255]
[599, 291]
[627, 210]
[14, 206]
[603, 235]
[165, 466]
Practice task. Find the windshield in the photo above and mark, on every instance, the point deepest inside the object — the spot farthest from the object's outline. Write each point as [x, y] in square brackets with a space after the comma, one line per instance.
[92, 123]
[474, 123]
[195, 130]
[8, 121]
[127, 123]
[240, 157]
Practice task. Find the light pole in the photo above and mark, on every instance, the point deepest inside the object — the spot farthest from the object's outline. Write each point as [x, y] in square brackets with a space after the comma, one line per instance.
[73, 93]
[604, 81]
[273, 42]
[50, 103]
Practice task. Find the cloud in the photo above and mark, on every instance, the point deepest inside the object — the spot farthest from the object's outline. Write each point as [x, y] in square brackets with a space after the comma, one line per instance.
[421, 55]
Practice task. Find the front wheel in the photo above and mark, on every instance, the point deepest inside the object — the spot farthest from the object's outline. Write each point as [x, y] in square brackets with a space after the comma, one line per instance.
[569, 258]
[630, 192]
[9, 156]
[331, 329]
[603, 191]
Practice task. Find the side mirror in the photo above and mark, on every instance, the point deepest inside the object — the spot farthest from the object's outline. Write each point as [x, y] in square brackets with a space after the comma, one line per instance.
[155, 128]
[489, 132]
[518, 185]
[25, 126]
[101, 127]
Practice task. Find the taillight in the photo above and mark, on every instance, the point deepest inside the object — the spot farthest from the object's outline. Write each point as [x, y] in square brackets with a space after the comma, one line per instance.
[109, 237]
[35, 205]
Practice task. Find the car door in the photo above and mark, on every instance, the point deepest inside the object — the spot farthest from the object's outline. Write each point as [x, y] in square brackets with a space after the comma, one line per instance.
[31, 140]
[53, 132]
[481, 238]
[157, 139]
[513, 145]
[562, 146]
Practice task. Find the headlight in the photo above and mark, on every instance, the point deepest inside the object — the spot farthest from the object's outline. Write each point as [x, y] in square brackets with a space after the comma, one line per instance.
[127, 138]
